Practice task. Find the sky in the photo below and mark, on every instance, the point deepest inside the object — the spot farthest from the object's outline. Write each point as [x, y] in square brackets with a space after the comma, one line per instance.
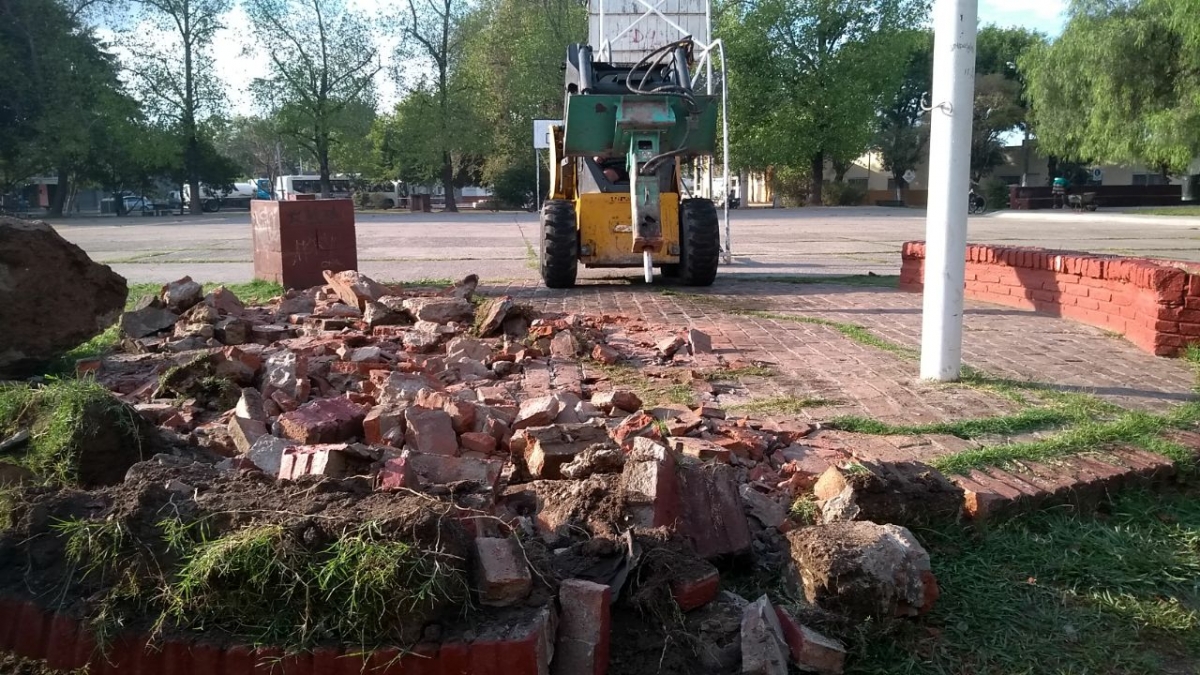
[238, 60]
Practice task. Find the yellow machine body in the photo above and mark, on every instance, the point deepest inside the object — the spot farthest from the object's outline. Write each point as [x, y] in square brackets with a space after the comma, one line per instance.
[605, 219]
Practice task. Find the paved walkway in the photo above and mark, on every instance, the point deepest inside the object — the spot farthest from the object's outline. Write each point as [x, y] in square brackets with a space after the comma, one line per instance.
[818, 361]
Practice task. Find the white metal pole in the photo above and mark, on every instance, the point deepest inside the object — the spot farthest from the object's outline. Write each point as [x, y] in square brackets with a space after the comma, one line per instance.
[954, 24]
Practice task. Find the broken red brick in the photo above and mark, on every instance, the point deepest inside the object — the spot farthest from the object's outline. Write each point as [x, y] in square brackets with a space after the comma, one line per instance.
[326, 420]
[383, 424]
[650, 485]
[538, 412]
[501, 574]
[810, 650]
[245, 432]
[334, 460]
[547, 449]
[606, 355]
[619, 399]
[477, 441]
[584, 629]
[699, 448]
[636, 425]
[696, 590]
[430, 431]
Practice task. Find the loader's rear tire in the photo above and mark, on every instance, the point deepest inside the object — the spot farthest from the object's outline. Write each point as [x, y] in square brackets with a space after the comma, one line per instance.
[699, 242]
[560, 244]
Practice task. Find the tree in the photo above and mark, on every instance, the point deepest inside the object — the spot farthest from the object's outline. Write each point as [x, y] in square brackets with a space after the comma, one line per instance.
[433, 42]
[903, 129]
[407, 144]
[175, 70]
[809, 75]
[513, 58]
[324, 62]
[1120, 85]
[998, 110]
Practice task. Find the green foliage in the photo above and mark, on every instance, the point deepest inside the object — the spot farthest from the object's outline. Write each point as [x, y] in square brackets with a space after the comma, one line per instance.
[1120, 85]
[1056, 591]
[902, 126]
[62, 419]
[995, 193]
[806, 510]
[785, 404]
[323, 63]
[809, 77]
[842, 194]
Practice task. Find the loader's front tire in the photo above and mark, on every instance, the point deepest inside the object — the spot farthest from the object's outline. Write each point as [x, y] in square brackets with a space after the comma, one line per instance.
[699, 242]
[560, 244]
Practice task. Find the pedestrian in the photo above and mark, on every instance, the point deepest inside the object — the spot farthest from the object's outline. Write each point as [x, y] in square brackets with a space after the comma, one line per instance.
[1058, 192]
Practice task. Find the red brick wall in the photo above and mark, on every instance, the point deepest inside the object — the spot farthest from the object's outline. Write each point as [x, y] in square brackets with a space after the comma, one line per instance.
[1153, 303]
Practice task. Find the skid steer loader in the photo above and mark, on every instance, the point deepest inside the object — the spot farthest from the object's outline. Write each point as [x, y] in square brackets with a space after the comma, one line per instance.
[615, 184]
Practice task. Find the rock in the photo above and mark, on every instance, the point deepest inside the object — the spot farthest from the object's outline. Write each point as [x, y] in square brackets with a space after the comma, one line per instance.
[548, 448]
[538, 412]
[294, 302]
[811, 651]
[224, 301]
[267, 453]
[903, 493]
[764, 650]
[146, 322]
[379, 314]
[13, 475]
[354, 288]
[501, 574]
[765, 510]
[468, 348]
[597, 458]
[503, 369]
[245, 432]
[606, 355]
[430, 431]
[668, 346]
[564, 345]
[232, 331]
[620, 399]
[440, 310]
[840, 508]
[181, 295]
[698, 342]
[863, 570]
[494, 314]
[420, 341]
[288, 373]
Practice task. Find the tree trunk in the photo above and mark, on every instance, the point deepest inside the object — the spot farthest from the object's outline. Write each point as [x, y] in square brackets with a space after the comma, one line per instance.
[818, 177]
[196, 205]
[1051, 169]
[323, 160]
[60, 193]
[448, 183]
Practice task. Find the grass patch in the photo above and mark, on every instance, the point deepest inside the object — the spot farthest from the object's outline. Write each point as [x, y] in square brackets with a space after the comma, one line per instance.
[852, 331]
[652, 391]
[1168, 211]
[531, 257]
[1135, 428]
[1030, 419]
[1057, 592]
[62, 417]
[784, 404]
[866, 280]
[806, 510]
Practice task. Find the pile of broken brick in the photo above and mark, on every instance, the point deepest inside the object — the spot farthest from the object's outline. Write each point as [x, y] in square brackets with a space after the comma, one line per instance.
[481, 401]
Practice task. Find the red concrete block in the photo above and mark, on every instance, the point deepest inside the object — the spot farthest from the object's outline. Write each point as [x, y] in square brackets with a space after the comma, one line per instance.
[33, 632]
[268, 661]
[697, 590]
[238, 660]
[295, 240]
[208, 658]
[10, 613]
[297, 663]
[327, 661]
[584, 629]
[327, 420]
[454, 659]
[175, 657]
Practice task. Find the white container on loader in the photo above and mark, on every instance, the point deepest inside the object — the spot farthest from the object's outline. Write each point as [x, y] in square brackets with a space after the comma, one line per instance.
[624, 31]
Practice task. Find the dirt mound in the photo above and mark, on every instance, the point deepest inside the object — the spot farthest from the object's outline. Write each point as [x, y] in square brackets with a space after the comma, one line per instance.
[183, 545]
[54, 297]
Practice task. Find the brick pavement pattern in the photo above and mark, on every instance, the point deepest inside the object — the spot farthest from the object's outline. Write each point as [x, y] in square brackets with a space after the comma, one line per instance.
[816, 360]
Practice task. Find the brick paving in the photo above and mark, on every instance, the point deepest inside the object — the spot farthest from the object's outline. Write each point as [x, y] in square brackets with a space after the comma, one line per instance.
[817, 361]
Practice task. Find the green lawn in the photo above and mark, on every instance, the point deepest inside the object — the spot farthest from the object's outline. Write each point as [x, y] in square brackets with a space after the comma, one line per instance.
[1170, 211]
[1055, 592]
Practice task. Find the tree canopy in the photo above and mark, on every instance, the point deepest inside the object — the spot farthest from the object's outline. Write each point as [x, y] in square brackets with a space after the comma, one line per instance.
[1121, 85]
[808, 77]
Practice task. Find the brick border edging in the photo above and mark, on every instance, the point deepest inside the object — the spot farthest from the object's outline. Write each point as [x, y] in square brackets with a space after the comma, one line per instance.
[32, 632]
[1155, 304]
